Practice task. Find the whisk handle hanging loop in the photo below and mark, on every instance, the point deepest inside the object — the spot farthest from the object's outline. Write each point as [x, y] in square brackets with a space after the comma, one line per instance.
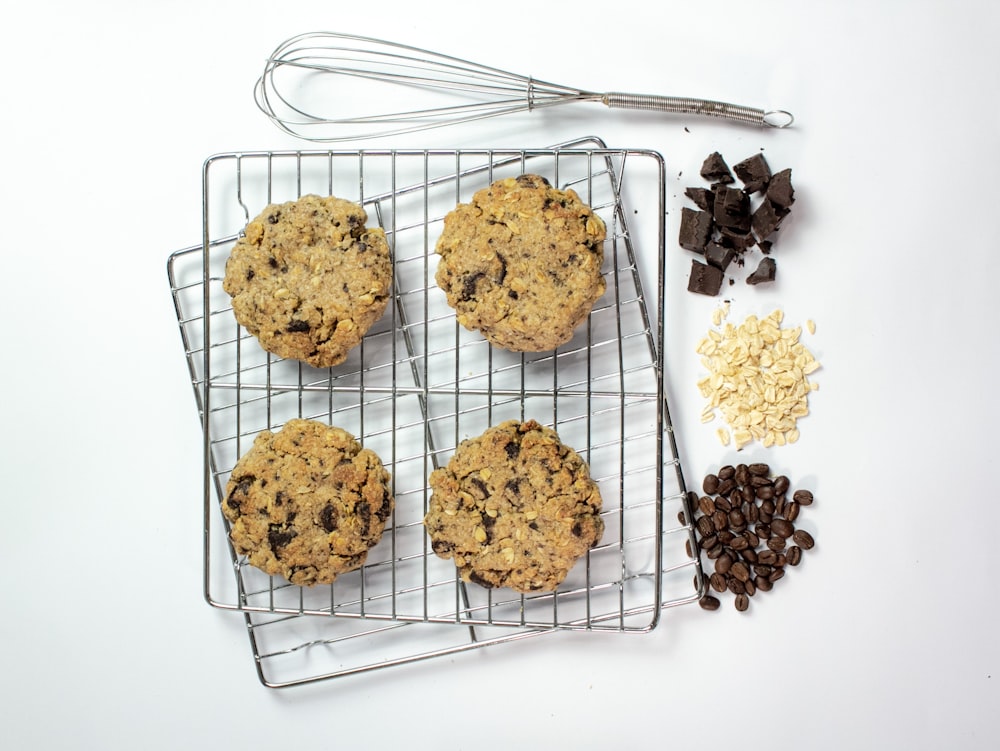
[705, 107]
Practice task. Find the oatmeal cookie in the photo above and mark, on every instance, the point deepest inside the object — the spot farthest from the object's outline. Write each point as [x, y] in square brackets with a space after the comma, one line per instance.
[521, 263]
[514, 507]
[308, 279]
[307, 502]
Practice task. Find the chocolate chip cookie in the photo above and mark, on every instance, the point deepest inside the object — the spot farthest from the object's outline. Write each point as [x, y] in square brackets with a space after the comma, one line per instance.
[514, 507]
[308, 279]
[307, 503]
[521, 263]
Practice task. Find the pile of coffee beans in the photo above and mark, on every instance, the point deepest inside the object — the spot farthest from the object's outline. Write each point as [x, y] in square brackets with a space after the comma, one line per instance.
[745, 527]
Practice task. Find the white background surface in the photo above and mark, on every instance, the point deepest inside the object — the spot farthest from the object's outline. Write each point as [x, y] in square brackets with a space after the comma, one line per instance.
[884, 638]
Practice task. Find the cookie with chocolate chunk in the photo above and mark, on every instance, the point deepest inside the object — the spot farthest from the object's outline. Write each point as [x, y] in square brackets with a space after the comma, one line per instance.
[308, 278]
[521, 263]
[514, 507]
[307, 503]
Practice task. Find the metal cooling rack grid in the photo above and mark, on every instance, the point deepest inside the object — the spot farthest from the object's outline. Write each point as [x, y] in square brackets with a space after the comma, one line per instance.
[434, 394]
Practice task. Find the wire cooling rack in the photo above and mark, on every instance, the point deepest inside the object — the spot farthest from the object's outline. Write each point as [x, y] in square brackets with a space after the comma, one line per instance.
[419, 384]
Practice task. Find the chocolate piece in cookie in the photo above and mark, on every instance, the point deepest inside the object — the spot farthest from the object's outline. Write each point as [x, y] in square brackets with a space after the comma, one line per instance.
[521, 263]
[514, 507]
[307, 502]
[308, 279]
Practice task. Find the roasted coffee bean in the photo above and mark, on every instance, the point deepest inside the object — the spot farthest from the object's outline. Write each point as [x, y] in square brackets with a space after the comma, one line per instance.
[748, 494]
[782, 560]
[749, 555]
[767, 506]
[794, 555]
[763, 584]
[709, 542]
[767, 557]
[709, 603]
[777, 544]
[779, 504]
[782, 528]
[803, 497]
[722, 504]
[759, 469]
[720, 520]
[742, 475]
[742, 602]
[710, 484]
[735, 585]
[781, 484]
[751, 586]
[740, 543]
[727, 472]
[723, 563]
[762, 570]
[726, 486]
[765, 492]
[765, 518]
[803, 539]
[726, 537]
[791, 511]
[736, 519]
[705, 525]
[714, 553]
[756, 481]
[717, 582]
[687, 548]
[681, 517]
[752, 538]
[740, 570]
[775, 575]
[706, 505]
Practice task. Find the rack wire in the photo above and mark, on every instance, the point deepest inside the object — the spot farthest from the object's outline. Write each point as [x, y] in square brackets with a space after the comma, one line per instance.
[417, 386]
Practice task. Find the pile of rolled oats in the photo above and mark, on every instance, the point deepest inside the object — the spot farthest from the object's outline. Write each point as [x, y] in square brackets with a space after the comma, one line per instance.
[757, 378]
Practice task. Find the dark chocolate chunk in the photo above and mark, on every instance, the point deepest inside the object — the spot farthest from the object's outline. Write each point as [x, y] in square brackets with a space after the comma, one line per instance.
[297, 325]
[719, 256]
[715, 170]
[767, 218]
[754, 173]
[328, 517]
[702, 197]
[279, 536]
[780, 190]
[763, 273]
[704, 279]
[738, 241]
[765, 246]
[732, 208]
[696, 229]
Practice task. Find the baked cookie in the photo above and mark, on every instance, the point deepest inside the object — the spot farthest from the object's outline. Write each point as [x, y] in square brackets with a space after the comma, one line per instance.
[307, 502]
[514, 508]
[521, 263]
[308, 279]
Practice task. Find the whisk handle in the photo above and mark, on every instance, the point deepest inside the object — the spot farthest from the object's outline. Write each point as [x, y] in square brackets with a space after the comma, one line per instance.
[706, 107]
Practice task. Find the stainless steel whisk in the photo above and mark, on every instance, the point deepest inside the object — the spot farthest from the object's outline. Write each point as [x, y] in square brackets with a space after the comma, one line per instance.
[315, 69]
